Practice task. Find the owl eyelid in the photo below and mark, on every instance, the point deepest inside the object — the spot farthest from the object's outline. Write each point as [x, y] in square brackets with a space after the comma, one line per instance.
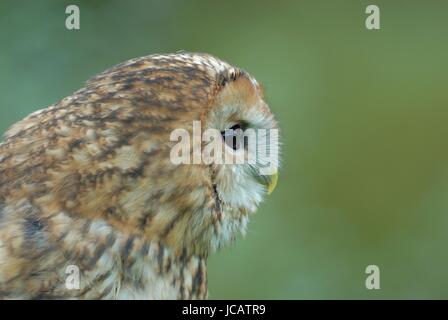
[242, 125]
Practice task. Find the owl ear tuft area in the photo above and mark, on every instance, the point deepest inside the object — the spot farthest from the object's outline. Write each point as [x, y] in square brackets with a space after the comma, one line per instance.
[227, 76]
[237, 92]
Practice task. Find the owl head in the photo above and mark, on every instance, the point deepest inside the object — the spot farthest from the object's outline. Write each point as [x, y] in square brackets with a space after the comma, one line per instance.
[120, 136]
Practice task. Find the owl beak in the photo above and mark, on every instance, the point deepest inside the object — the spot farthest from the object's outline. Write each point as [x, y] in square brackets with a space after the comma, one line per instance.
[269, 181]
[272, 182]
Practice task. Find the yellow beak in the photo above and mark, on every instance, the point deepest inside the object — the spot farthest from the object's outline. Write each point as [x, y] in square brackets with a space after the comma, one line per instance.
[272, 182]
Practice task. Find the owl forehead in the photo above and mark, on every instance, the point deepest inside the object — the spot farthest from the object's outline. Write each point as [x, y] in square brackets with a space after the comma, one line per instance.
[207, 61]
[224, 73]
[212, 66]
[197, 60]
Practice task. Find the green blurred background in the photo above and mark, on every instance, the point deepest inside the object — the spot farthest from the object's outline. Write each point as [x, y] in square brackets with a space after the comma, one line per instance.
[363, 116]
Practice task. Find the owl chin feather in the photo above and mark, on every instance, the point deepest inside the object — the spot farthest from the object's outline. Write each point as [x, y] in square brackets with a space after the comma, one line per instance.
[235, 202]
[230, 228]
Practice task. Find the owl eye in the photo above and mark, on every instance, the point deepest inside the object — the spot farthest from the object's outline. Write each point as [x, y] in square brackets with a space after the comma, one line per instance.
[234, 136]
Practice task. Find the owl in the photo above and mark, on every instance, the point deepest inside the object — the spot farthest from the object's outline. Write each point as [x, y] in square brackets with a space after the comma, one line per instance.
[92, 205]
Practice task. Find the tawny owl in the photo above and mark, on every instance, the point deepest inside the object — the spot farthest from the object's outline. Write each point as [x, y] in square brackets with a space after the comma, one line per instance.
[92, 204]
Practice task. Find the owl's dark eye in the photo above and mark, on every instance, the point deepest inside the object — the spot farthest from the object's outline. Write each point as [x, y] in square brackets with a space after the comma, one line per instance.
[234, 136]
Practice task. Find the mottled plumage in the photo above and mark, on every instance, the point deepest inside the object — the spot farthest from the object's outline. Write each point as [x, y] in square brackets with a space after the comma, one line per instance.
[88, 181]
